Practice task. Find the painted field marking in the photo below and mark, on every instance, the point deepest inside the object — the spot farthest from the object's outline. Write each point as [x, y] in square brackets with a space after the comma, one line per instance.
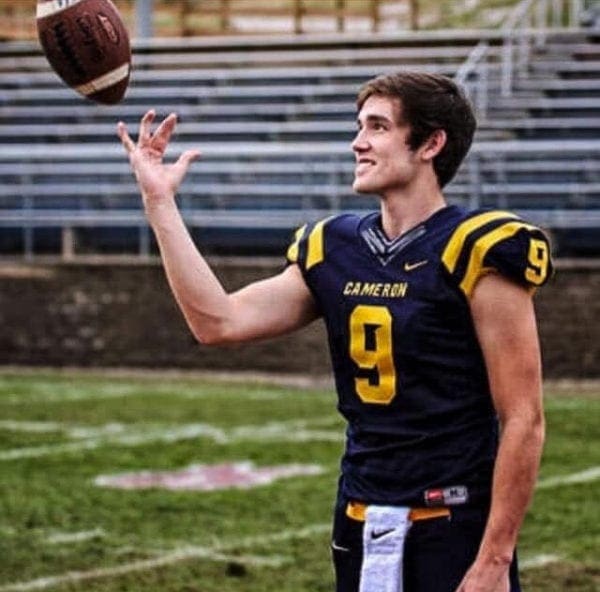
[212, 477]
[128, 435]
[539, 561]
[77, 431]
[591, 474]
[32, 427]
[43, 392]
[54, 393]
[62, 538]
[215, 553]
[136, 566]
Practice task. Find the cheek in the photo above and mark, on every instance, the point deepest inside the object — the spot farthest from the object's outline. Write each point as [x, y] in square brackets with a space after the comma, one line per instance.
[395, 166]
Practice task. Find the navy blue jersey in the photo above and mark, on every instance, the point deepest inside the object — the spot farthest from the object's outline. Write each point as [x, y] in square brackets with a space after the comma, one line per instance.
[409, 372]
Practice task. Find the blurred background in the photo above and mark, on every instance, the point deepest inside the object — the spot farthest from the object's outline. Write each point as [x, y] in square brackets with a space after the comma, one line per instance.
[266, 90]
[98, 371]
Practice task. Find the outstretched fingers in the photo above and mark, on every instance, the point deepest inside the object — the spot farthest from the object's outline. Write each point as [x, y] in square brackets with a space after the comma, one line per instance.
[145, 127]
[151, 147]
[163, 133]
[145, 135]
[126, 140]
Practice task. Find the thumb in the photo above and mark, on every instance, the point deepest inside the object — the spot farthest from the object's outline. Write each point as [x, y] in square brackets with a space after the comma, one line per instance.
[180, 168]
[186, 159]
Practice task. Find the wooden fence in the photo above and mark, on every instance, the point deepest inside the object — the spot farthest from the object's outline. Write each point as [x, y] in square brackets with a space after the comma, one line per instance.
[182, 18]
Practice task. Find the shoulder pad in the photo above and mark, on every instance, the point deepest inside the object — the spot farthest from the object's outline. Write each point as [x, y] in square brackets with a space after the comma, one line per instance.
[498, 242]
[308, 247]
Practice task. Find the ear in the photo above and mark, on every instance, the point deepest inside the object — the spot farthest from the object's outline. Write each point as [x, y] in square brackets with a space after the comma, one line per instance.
[433, 145]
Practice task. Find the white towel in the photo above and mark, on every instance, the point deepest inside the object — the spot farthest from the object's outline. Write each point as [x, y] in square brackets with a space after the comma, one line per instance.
[383, 548]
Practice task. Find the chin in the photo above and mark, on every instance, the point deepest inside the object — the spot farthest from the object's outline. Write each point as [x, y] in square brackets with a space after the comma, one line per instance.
[364, 190]
[359, 186]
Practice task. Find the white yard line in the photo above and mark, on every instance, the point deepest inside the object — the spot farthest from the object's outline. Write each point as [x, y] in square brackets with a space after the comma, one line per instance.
[44, 392]
[120, 435]
[38, 451]
[53, 393]
[539, 561]
[276, 537]
[215, 553]
[62, 538]
[172, 376]
[32, 427]
[591, 474]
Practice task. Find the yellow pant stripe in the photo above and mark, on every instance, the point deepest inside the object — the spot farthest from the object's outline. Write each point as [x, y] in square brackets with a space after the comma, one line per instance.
[358, 511]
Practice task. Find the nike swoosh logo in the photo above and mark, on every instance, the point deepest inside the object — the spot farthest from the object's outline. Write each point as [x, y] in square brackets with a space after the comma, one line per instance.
[411, 266]
[336, 547]
[377, 535]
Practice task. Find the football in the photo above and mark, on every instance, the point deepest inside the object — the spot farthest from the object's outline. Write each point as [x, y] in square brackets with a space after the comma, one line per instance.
[87, 45]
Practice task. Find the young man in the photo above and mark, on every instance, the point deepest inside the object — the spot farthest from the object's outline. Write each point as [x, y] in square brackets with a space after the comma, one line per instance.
[432, 335]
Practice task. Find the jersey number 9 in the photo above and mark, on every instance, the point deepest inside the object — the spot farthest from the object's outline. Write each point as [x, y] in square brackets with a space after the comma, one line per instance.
[371, 349]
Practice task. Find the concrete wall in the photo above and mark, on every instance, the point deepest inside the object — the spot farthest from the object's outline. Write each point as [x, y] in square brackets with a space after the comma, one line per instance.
[88, 314]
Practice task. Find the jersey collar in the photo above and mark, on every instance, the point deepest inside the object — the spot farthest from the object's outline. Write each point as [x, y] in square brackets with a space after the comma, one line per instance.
[385, 249]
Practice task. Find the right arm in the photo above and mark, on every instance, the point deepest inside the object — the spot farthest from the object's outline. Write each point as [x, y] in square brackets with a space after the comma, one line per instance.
[262, 309]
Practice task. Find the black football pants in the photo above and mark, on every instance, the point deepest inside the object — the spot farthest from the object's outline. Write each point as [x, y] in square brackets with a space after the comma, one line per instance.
[437, 553]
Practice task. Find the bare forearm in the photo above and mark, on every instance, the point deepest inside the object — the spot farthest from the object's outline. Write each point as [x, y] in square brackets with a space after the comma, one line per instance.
[515, 475]
[504, 318]
[262, 309]
[201, 297]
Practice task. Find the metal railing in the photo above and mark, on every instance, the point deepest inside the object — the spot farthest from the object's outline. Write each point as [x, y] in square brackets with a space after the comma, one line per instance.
[525, 29]
[473, 76]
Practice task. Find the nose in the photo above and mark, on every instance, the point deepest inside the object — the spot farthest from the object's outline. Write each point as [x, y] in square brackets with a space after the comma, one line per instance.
[360, 143]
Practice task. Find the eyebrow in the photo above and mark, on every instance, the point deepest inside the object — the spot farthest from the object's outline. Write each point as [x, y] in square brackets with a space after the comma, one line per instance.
[375, 119]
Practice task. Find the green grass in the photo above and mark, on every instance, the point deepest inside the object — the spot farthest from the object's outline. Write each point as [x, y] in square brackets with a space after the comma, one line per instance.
[59, 430]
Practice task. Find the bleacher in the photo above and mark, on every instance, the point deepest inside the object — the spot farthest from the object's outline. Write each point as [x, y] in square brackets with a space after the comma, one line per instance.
[274, 119]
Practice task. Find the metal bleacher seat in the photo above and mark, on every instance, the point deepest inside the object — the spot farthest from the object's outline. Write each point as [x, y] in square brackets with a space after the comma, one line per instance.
[274, 120]
[542, 127]
[63, 166]
[551, 106]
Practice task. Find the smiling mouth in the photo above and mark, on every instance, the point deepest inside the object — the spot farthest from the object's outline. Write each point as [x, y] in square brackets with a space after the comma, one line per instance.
[363, 165]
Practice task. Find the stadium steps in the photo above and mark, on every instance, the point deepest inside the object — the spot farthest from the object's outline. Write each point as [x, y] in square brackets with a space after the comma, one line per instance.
[559, 95]
[503, 174]
[274, 120]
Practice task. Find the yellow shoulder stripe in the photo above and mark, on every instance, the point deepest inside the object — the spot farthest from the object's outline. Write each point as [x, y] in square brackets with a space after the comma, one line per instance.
[316, 251]
[481, 248]
[292, 252]
[461, 233]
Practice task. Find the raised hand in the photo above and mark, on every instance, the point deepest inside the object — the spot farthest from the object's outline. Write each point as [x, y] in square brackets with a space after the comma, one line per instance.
[158, 181]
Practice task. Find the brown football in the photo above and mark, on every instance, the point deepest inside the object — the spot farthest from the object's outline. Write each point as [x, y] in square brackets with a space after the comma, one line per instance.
[87, 45]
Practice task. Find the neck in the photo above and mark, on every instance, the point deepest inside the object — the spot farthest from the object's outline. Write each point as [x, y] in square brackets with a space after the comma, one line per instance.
[404, 210]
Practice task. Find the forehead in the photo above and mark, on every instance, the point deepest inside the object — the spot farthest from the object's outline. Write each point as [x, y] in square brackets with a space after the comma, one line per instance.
[381, 107]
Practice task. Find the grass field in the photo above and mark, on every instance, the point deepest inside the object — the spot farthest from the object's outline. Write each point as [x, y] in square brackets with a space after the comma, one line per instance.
[59, 530]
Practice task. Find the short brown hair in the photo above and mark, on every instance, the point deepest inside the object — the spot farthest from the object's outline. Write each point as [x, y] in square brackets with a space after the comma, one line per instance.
[429, 102]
